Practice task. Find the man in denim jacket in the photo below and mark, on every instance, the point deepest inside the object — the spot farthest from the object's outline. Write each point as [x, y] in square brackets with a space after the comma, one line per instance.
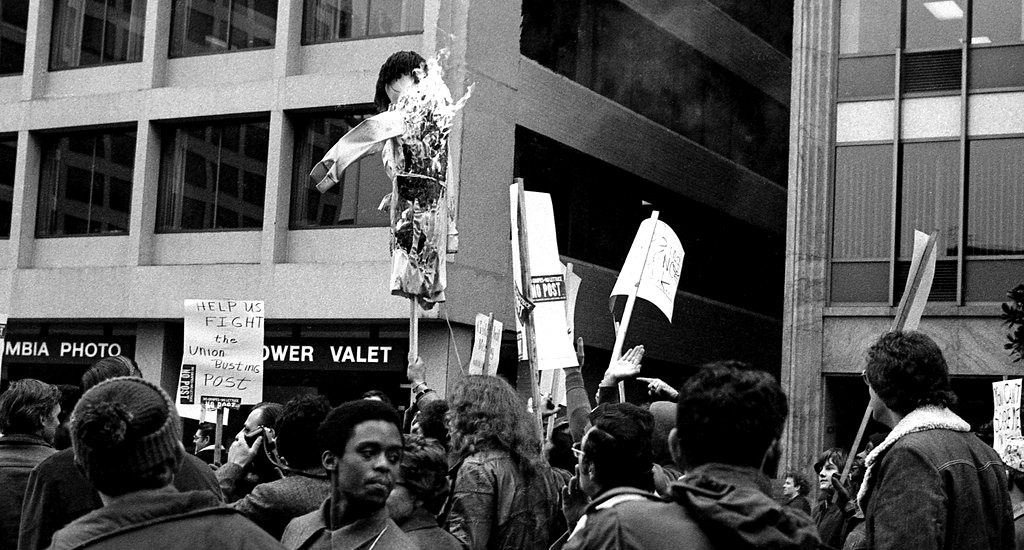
[931, 483]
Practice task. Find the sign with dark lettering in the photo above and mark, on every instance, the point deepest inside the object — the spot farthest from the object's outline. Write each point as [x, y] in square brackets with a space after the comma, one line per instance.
[222, 355]
[376, 354]
[548, 288]
[65, 350]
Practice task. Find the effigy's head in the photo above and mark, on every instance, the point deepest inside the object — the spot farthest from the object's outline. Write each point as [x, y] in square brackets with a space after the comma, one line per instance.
[397, 74]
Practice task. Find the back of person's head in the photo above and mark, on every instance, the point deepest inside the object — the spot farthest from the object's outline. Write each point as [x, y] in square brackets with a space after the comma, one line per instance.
[558, 450]
[26, 405]
[109, 367]
[424, 471]
[835, 456]
[432, 421]
[126, 436]
[397, 65]
[341, 422]
[69, 395]
[907, 370]
[270, 413]
[803, 487]
[486, 413]
[207, 430]
[729, 413]
[297, 439]
[379, 396]
[619, 445]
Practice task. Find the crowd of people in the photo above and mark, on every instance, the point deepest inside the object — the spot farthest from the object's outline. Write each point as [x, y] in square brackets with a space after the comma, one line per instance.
[474, 470]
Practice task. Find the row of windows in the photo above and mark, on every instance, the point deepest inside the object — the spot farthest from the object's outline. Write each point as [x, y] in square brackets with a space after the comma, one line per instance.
[212, 177]
[614, 51]
[97, 32]
[874, 26]
[868, 222]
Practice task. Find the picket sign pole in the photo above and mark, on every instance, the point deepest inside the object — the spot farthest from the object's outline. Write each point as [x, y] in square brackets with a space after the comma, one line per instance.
[524, 267]
[488, 346]
[620, 333]
[218, 435]
[414, 331]
[899, 322]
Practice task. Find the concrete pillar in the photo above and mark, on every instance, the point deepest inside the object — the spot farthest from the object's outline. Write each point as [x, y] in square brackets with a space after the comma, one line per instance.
[815, 42]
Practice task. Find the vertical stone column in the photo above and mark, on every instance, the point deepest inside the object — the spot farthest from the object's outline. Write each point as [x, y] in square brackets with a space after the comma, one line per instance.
[815, 26]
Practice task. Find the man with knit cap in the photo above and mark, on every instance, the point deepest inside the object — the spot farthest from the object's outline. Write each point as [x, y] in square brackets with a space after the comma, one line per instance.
[58, 493]
[126, 436]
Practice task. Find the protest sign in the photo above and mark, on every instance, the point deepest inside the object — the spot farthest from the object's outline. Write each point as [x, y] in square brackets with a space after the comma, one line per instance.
[547, 288]
[653, 266]
[486, 345]
[1006, 411]
[222, 363]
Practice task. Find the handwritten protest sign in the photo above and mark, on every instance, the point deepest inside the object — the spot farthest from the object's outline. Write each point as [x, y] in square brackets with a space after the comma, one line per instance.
[656, 261]
[486, 345]
[222, 363]
[1006, 406]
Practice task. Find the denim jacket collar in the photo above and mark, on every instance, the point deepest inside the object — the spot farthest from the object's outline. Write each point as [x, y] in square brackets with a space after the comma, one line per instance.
[931, 417]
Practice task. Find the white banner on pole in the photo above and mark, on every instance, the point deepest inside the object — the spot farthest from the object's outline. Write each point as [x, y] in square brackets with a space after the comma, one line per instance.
[222, 360]
[1006, 411]
[547, 290]
[659, 276]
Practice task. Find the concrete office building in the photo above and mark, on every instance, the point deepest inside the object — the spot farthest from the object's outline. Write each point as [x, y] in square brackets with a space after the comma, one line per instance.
[156, 151]
[906, 115]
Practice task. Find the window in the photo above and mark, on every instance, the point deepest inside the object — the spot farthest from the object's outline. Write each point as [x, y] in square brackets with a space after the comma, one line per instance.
[997, 22]
[13, 23]
[355, 199]
[929, 193]
[331, 20]
[213, 176]
[995, 225]
[8, 150]
[869, 26]
[934, 24]
[213, 26]
[96, 32]
[85, 185]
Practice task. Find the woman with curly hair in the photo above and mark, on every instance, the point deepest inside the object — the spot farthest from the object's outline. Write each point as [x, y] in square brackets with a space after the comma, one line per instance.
[503, 495]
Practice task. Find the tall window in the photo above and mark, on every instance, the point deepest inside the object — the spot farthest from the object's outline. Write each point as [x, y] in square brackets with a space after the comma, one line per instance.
[8, 149]
[869, 26]
[96, 32]
[355, 199]
[213, 26]
[85, 185]
[331, 20]
[937, 24]
[862, 223]
[995, 225]
[213, 176]
[13, 22]
[997, 22]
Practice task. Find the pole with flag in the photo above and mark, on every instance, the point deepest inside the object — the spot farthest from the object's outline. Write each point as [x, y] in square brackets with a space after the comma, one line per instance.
[651, 272]
[908, 315]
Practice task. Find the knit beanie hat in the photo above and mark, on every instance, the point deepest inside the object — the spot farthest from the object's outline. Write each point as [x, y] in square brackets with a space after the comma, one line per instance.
[123, 429]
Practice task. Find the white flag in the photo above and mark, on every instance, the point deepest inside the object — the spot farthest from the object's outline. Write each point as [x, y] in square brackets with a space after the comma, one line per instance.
[656, 261]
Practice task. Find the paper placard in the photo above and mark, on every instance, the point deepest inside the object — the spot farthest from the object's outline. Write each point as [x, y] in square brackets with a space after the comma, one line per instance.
[547, 282]
[656, 243]
[483, 362]
[1006, 411]
[222, 360]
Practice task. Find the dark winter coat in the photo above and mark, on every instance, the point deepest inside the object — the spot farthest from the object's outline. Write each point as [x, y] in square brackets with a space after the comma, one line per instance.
[19, 454]
[163, 520]
[272, 505]
[715, 506]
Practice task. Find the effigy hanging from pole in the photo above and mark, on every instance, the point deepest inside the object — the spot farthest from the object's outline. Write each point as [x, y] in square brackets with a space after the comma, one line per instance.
[413, 138]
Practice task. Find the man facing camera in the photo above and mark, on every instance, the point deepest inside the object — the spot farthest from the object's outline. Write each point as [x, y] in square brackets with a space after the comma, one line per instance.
[363, 443]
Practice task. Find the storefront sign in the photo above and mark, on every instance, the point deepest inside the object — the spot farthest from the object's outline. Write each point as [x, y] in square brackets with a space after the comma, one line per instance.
[336, 354]
[67, 350]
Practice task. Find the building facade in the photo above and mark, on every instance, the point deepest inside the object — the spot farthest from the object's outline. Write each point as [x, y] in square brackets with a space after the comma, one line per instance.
[157, 151]
[907, 115]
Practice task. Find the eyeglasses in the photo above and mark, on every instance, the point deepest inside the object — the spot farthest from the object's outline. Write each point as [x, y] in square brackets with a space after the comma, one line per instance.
[864, 377]
[577, 451]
